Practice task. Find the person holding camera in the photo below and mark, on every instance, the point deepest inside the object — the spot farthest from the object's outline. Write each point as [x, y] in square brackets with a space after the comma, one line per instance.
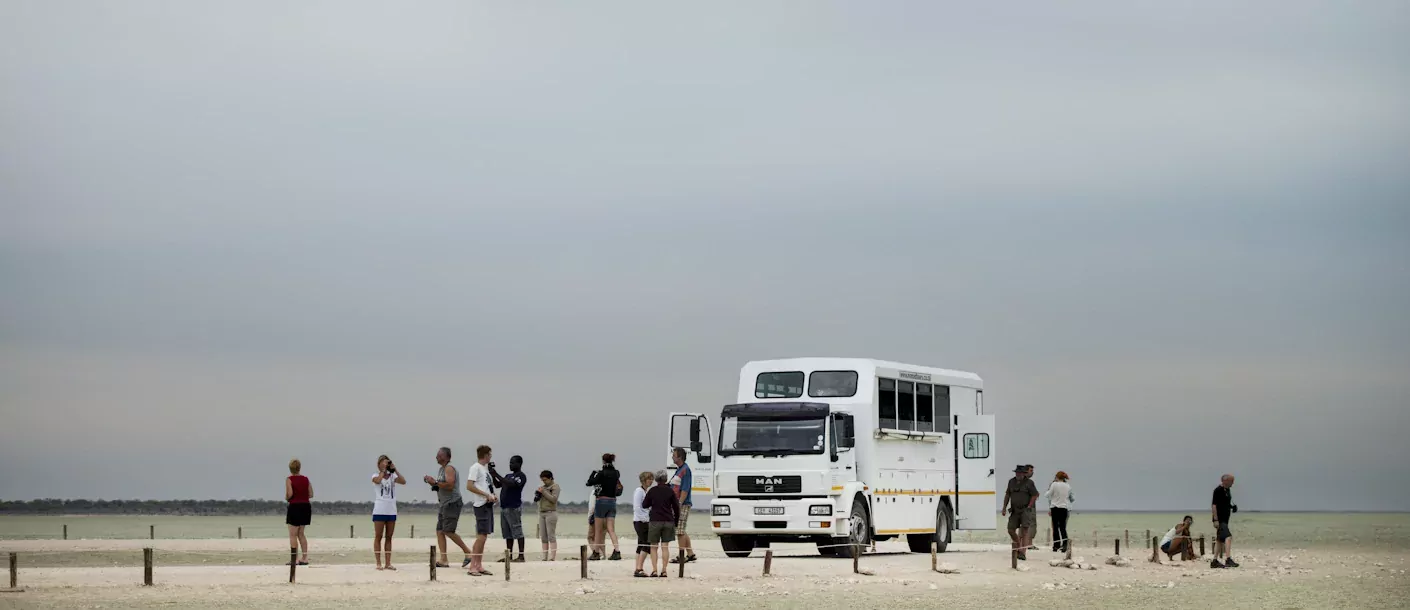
[607, 487]
[384, 510]
[1221, 509]
[511, 504]
[480, 484]
[449, 506]
[547, 498]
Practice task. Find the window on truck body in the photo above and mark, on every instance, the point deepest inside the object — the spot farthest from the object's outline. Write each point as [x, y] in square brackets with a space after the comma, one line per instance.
[942, 408]
[832, 384]
[885, 403]
[925, 408]
[787, 384]
[905, 405]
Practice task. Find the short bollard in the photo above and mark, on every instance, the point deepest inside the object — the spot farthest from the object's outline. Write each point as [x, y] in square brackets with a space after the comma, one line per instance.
[856, 556]
[1128, 539]
[1155, 551]
[413, 530]
[768, 561]
[433, 563]
[152, 532]
[350, 531]
[681, 574]
[239, 533]
[934, 550]
[1013, 559]
[14, 571]
[507, 558]
[1118, 546]
[293, 563]
[582, 558]
[1095, 542]
[1201, 546]
[147, 567]
[1069, 552]
[1148, 537]
[66, 531]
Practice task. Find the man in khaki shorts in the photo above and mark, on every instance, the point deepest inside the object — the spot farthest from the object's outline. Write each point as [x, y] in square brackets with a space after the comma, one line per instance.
[681, 484]
[1019, 498]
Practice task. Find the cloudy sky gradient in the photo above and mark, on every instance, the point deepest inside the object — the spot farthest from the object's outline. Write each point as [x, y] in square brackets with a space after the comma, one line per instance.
[1173, 239]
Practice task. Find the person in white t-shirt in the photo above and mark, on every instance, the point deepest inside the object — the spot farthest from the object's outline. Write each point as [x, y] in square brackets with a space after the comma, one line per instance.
[641, 518]
[1060, 500]
[479, 484]
[384, 510]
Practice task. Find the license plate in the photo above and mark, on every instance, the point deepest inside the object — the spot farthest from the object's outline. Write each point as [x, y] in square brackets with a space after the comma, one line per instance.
[768, 510]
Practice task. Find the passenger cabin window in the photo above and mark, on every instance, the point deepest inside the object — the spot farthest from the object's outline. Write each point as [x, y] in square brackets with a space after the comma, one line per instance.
[832, 384]
[925, 408]
[905, 405]
[779, 385]
[942, 408]
[886, 402]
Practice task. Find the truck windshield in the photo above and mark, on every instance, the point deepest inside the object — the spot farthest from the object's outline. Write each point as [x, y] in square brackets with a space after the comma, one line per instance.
[763, 436]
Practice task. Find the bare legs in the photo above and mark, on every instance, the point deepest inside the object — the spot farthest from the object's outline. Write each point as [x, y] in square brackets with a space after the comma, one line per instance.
[382, 549]
[297, 539]
[454, 537]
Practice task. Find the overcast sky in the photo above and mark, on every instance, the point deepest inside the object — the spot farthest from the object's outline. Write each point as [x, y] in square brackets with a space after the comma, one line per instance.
[1174, 238]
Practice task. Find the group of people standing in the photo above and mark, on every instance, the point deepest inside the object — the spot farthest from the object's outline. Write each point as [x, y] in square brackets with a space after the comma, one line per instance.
[662, 516]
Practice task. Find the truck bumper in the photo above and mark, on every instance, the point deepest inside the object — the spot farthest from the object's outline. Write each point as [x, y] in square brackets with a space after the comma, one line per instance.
[761, 518]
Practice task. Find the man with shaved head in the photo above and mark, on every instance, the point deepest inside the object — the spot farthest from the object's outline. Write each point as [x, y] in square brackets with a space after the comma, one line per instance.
[1220, 509]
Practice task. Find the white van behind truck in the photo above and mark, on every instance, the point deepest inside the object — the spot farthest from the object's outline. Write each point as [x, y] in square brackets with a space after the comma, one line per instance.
[841, 452]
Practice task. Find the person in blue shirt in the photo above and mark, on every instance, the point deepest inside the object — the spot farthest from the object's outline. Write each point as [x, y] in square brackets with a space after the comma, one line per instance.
[511, 505]
[682, 482]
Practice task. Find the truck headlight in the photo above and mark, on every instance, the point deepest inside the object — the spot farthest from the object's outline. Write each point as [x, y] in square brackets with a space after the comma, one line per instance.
[820, 510]
[723, 510]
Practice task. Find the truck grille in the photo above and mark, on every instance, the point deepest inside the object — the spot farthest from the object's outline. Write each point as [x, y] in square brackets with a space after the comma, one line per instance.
[790, 484]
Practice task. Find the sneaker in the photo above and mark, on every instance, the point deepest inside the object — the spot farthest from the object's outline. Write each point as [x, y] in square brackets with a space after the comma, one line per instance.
[519, 559]
[1229, 563]
[1214, 563]
[616, 555]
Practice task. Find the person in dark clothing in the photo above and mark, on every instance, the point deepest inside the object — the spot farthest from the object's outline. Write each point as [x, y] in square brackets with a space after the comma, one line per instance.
[607, 487]
[1221, 508]
[511, 504]
[1019, 498]
[664, 510]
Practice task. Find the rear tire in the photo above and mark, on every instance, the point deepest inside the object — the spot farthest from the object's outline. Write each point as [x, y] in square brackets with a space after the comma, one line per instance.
[737, 546]
[859, 534]
[920, 543]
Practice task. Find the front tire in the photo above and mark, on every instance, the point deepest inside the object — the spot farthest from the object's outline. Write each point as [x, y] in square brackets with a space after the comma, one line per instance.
[859, 534]
[920, 543]
[737, 546]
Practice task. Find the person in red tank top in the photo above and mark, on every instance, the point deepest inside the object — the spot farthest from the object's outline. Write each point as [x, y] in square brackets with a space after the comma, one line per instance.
[298, 491]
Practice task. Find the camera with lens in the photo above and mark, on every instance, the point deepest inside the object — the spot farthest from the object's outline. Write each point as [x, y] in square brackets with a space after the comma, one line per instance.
[391, 468]
[538, 495]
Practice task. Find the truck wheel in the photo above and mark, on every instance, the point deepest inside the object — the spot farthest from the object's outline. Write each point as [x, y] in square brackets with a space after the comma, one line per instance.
[920, 543]
[859, 535]
[737, 546]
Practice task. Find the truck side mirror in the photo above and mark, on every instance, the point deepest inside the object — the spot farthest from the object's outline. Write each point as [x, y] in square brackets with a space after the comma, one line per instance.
[695, 444]
[849, 438]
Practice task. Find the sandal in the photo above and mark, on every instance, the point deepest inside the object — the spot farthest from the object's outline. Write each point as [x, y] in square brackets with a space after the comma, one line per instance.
[486, 573]
[665, 575]
[639, 574]
[442, 565]
[474, 573]
[304, 562]
[390, 568]
[653, 575]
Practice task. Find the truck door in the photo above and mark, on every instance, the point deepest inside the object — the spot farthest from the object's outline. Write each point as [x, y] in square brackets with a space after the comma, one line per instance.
[975, 480]
[691, 431]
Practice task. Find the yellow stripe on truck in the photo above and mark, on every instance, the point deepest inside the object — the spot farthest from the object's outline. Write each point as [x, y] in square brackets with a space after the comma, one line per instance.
[928, 492]
[701, 489]
[893, 532]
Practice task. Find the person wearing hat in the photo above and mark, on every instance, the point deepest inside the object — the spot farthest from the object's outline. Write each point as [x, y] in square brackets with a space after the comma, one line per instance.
[1019, 499]
[1060, 499]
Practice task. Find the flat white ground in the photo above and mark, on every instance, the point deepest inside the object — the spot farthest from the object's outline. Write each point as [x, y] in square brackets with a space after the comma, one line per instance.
[238, 574]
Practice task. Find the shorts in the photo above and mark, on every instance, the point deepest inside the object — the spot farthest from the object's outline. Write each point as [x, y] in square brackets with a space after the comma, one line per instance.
[642, 535]
[548, 526]
[1030, 519]
[448, 517]
[384, 518]
[1017, 517]
[605, 508]
[685, 516]
[484, 519]
[511, 520]
[1165, 548]
[1223, 532]
[299, 514]
[659, 532]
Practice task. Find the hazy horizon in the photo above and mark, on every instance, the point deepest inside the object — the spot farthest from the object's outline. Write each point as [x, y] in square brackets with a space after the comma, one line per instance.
[1171, 238]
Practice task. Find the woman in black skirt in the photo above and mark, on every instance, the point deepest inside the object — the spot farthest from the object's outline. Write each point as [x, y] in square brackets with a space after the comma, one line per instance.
[298, 491]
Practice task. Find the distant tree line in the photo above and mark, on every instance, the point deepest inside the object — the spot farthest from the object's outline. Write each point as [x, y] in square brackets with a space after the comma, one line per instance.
[52, 506]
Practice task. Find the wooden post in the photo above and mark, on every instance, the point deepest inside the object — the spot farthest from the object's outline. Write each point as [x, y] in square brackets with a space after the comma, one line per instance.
[933, 565]
[768, 560]
[507, 561]
[350, 531]
[413, 530]
[682, 560]
[433, 563]
[66, 531]
[1118, 546]
[1013, 558]
[1201, 546]
[239, 533]
[582, 557]
[1095, 543]
[1128, 539]
[856, 555]
[1069, 551]
[1155, 551]
[293, 562]
[1148, 537]
[147, 567]
[15, 570]
[152, 532]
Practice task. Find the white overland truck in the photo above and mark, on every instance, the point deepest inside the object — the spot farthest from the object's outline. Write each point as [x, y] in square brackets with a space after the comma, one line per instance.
[841, 452]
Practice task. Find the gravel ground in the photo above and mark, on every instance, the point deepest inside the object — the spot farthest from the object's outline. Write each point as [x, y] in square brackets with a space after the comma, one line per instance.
[1269, 578]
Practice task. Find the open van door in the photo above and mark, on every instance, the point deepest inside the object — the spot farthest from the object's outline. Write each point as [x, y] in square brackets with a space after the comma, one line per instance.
[975, 479]
[691, 431]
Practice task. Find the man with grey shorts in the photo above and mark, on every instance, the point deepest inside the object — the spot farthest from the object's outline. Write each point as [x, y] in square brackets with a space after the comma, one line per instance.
[449, 505]
[511, 502]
